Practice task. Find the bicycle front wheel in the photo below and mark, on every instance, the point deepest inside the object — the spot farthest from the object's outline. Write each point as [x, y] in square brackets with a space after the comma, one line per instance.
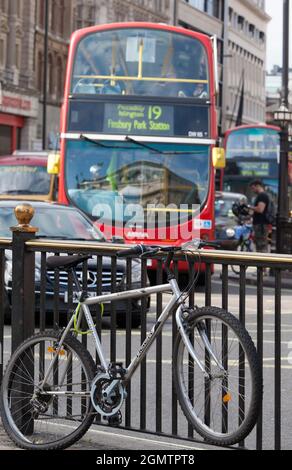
[221, 402]
[54, 414]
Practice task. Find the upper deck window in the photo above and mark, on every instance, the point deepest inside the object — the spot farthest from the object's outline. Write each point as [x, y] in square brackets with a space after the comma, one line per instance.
[140, 62]
[254, 142]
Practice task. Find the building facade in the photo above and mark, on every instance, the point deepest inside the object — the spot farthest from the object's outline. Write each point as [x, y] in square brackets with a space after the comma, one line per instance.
[240, 26]
[18, 97]
[246, 61]
[274, 92]
[60, 27]
[108, 11]
[22, 29]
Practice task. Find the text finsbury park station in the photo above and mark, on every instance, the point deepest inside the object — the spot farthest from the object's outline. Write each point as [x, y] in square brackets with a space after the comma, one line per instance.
[139, 117]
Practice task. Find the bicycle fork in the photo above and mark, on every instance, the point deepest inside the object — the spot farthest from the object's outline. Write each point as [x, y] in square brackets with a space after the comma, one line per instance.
[203, 334]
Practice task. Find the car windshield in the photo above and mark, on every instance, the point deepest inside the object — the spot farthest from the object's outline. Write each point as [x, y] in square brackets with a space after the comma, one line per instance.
[223, 206]
[117, 176]
[24, 179]
[53, 222]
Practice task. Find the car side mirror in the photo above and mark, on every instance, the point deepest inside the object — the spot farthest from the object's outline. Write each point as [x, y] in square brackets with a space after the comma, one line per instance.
[218, 158]
[53, 165]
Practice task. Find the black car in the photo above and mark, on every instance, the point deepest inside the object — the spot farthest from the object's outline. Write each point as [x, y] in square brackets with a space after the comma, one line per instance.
[61, 222]
[225, 219]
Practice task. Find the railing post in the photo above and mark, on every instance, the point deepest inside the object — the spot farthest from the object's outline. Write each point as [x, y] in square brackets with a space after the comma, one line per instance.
[23, 276]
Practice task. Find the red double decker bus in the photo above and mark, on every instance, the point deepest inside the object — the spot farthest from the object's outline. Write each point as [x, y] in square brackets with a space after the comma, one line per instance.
[252, 152]
[138, 131]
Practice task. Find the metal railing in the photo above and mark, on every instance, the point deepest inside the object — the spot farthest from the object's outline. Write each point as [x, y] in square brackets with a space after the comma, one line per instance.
[151, 404]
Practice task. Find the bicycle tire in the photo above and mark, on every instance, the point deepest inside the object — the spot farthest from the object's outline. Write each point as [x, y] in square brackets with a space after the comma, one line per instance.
[243, 247]
[22, 376]
[222, 435]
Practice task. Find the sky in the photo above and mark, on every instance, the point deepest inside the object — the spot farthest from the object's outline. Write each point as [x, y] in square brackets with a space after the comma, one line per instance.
[274, 34]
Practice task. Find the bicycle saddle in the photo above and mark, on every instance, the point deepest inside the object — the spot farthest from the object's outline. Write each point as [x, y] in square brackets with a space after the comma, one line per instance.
[66, 262]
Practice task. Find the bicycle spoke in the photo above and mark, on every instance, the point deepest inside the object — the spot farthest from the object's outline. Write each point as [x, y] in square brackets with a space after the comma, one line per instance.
[215, 400]
[34, 406]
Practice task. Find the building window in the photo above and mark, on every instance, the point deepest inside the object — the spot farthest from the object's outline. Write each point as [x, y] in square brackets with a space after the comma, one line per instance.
[240, 22]
[199, 4]
[251, 30]
[17, 55]
[54, 16]
[50, 75]
[41, 13]
[19, 8]
[262, 37]
[4, 5]
[212, 7]
[2, 52]
[61, 17]
[59, 78]
[40, 66]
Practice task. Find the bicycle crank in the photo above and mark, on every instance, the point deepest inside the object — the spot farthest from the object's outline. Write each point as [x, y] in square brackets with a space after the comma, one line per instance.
[107, 395]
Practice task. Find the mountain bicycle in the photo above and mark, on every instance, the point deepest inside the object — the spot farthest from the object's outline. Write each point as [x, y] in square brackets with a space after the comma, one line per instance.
[52, 390]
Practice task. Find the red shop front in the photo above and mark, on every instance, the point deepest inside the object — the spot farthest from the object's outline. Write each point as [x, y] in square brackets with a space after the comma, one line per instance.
[10, 127]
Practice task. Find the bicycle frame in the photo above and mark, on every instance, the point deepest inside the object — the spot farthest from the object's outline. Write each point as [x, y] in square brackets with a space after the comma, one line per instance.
[152, 334]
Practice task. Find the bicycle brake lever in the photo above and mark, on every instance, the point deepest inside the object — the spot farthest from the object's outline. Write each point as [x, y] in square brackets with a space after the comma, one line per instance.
[194, 244]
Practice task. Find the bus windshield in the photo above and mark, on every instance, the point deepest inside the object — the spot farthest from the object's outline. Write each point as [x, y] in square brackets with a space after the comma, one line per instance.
[252, 153]
[24, 179]
[120, 174]
[263, 143]
[140, 61]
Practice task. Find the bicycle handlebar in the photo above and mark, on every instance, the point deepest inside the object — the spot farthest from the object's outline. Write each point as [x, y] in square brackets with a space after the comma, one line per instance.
[135, 251]
[139, 250]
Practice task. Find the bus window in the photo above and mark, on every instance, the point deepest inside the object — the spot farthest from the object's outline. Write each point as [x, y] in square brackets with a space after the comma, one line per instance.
[139, 62]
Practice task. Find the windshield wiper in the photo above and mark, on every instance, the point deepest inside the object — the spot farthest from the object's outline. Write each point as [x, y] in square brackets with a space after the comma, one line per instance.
[136, 142]
[154, 150]
[96, 142]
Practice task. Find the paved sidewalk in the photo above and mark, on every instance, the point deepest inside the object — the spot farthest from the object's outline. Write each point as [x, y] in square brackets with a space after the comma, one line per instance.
[101, 438]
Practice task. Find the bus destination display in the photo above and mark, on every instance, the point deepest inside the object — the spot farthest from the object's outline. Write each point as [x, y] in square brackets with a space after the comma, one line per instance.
[124, 118]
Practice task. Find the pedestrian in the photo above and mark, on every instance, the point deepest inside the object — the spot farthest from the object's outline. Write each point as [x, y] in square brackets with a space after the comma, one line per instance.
[259, 210]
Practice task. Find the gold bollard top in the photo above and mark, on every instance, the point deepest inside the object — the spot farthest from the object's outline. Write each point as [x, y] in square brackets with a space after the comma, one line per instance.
[24, 213]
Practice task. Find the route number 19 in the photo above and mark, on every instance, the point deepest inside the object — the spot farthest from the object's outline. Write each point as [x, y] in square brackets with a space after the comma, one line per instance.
[154, 112]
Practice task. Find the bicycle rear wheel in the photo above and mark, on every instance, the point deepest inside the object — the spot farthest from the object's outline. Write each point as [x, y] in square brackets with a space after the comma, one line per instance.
[56, 414]
[223, 403]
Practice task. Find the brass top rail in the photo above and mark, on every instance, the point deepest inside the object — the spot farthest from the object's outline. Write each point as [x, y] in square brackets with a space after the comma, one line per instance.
[5, 241]
[220, 256]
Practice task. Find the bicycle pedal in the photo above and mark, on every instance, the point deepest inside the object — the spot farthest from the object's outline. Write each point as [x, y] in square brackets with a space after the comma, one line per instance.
[116, 370]
[115, 420]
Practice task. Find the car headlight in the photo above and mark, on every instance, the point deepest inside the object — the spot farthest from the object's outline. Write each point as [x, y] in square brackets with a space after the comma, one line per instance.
[230, 232]
[8, 273]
